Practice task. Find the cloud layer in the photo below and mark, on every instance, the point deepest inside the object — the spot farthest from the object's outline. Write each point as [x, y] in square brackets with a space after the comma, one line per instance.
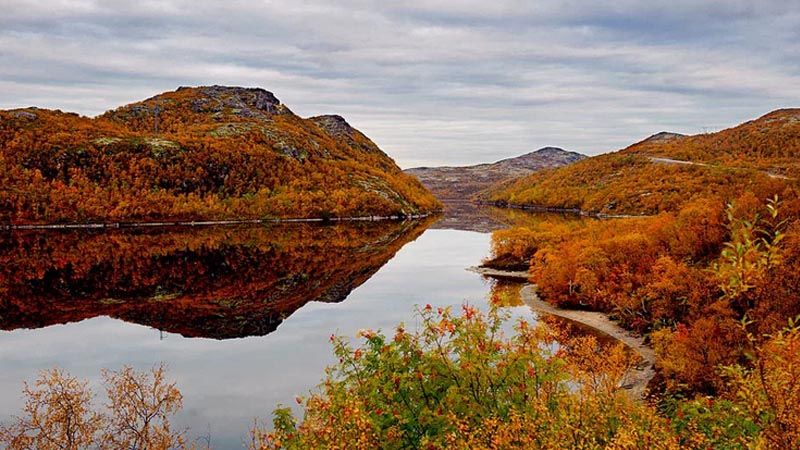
[433, 81]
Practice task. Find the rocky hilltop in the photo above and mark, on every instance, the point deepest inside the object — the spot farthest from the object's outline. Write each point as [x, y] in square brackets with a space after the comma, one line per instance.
[462, 183]
[197, 153]
[664, 136]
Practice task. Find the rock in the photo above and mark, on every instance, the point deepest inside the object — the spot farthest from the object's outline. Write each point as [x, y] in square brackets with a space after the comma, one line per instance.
[338, 128]
[27, 115]
[246, 102]
[664, 136]
[140, 110]
[334, 125]
[290, 151]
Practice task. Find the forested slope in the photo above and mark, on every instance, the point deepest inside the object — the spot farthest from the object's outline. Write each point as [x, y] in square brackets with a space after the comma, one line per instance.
[710, 269]
[196, 153]
[667, 170]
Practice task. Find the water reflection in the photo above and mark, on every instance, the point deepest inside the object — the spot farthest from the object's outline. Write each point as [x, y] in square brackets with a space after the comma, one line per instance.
[87, 301]
[506, 293]
[211, 282]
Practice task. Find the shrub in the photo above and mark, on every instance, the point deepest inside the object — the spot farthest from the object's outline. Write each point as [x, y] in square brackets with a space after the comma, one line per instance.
[461, 382]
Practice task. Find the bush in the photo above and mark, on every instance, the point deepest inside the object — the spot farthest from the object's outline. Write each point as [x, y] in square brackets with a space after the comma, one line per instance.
[460, 382]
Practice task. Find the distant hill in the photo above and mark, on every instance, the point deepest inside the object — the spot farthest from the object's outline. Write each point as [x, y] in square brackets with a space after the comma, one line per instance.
[462, 183]
[211, 152]
[667, 170]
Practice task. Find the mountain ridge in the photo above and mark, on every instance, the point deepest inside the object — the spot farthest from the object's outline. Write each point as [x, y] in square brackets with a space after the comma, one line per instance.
[463, 182]
[196, 153]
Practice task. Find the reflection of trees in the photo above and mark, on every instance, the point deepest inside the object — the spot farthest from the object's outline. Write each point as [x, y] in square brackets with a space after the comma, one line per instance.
[506, 293]
[211, 282]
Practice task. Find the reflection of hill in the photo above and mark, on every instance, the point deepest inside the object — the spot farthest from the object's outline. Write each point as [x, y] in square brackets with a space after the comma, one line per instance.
[469, 216]
[214, 282]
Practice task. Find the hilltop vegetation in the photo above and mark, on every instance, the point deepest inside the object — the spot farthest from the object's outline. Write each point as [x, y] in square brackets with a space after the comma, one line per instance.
[761, 157]
[770, 143]
[195, 153]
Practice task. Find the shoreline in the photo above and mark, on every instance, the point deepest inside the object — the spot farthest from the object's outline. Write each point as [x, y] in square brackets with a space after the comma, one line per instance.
[638, 378]
[499, 273]
[206, 223]
[551, 209]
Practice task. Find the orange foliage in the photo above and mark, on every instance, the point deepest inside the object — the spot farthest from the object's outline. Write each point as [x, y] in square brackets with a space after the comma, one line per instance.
[770, 143]
[690, 356]
[59, 414]
[215, 282]
[689, 276]
[674, 269]
[626, 265]
[759, 157]
[243, 158]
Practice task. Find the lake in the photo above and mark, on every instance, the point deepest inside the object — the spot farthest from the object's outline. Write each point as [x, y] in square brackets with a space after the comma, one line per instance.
[240, 315]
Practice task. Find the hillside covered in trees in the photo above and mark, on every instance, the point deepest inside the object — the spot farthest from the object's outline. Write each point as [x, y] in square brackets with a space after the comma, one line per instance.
[196, 153]
[668, 170]
[708, 268]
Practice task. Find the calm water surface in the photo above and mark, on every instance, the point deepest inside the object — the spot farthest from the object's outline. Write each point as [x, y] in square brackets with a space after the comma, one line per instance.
[241, 316]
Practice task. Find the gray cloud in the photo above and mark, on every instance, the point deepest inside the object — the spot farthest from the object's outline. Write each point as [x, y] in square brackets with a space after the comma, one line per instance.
[430, 81]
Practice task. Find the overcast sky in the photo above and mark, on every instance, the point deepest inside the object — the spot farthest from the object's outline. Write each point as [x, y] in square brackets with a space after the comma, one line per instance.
[432, 82]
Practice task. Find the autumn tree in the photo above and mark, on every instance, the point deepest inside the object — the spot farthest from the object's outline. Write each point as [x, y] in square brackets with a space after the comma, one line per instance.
[770, 387]
[461, 382]
[57, 415]
[140, 406]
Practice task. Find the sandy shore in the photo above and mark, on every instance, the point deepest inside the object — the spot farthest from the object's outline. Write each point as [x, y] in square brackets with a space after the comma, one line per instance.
[496, 273]
[637, 379]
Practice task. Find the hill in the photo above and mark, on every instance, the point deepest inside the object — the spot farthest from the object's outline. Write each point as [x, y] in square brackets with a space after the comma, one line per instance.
[210, 152]
[667, 170]
[461, 183]
[709, 273]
